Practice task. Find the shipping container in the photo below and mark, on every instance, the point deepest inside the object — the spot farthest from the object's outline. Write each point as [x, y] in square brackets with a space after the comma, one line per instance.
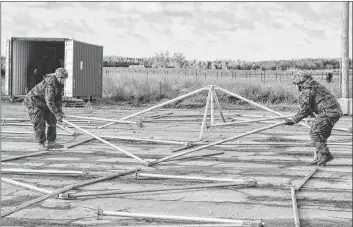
[29, 59]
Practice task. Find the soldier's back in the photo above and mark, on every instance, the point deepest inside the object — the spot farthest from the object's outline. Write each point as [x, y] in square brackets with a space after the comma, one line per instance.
[325, 101]
[36, 96]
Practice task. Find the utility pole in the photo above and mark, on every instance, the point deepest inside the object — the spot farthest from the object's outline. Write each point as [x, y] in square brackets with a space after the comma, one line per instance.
[346, 104]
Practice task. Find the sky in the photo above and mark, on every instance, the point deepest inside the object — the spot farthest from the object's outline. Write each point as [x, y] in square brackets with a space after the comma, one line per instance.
[250, 31]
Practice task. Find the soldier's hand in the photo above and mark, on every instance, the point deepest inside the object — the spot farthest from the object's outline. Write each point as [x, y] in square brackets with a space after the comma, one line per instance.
[288, 122]
[60, 118]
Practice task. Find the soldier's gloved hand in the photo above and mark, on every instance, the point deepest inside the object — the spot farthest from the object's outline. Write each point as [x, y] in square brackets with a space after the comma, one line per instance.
[60, 117]
[288, 122]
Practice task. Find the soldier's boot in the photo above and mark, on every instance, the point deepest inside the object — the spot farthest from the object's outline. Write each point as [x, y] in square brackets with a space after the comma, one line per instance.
[54, 145]
[42, 147]
[316, 159]
[325, 158]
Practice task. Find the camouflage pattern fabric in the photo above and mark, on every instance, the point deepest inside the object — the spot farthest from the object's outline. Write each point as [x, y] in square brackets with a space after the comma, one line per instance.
[38, 118]
[315, 98]
[320, 131]
[61, 73]
[44, 104]
[46, 95]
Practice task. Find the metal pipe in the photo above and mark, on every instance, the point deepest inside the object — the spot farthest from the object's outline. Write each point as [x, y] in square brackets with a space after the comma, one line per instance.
[255, 104]
[14, 119]
[103, 119]
[15, 124]
[79, 142]
[218, 105]
[159, 105]
[106, 142]
[295, 207]
[250, 121]
[120, 192]
[65, 189]
[263, 107]
[249, 181]
[22, 132]
[198, 156]
[205, 113]
[24, 185]
[215, 143]
[178, 218]
[72, 132]
[306, 178]
[271, 144]
[24, 156]
[41, 171]
[146, 140]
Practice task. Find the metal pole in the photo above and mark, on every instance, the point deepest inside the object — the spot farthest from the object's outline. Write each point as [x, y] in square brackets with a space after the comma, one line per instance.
[306, 178]
[120, 192]
[43, 171]
[24, 185]
[25, 156]
[106, 142]
[179, 218]
[145, 140]
[255, 104]
[102, 119]
[214, 143]
[243, 122]
[295, 207]
[218, 105]
[205, 113]
[65, 189]
[249, 181]
[159, 105]
[345, 50]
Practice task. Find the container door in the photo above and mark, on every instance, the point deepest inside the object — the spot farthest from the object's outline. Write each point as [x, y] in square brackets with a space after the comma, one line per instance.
[8, 69]
[69, 60]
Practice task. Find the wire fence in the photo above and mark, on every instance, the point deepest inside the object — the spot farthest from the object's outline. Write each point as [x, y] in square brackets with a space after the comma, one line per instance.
[269, 75]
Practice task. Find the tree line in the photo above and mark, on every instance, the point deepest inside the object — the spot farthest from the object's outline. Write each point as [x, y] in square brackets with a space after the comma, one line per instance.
[178, 60]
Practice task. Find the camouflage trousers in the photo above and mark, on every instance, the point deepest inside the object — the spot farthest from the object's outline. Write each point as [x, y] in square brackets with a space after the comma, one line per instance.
[39, 118]
[320, 131]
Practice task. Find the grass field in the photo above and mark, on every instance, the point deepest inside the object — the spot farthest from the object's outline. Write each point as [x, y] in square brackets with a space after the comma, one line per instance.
[139, 86]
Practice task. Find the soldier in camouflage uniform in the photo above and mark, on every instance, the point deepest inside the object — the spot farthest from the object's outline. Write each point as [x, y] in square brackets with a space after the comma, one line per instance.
[315, 98]
[44, 104]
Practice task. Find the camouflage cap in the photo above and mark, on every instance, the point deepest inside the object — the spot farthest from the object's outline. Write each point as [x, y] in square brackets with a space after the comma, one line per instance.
[300, 77]
[61, 73]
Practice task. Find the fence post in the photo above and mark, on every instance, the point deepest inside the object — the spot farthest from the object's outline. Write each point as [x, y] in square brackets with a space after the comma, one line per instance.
[264, 76]
[261, 76]
[160, 89]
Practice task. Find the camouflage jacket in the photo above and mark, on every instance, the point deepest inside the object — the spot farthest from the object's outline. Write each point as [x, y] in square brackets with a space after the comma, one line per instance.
[315, 98]
[46, 95]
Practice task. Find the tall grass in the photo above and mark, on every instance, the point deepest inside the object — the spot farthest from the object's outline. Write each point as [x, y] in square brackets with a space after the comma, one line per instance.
[140, 88]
